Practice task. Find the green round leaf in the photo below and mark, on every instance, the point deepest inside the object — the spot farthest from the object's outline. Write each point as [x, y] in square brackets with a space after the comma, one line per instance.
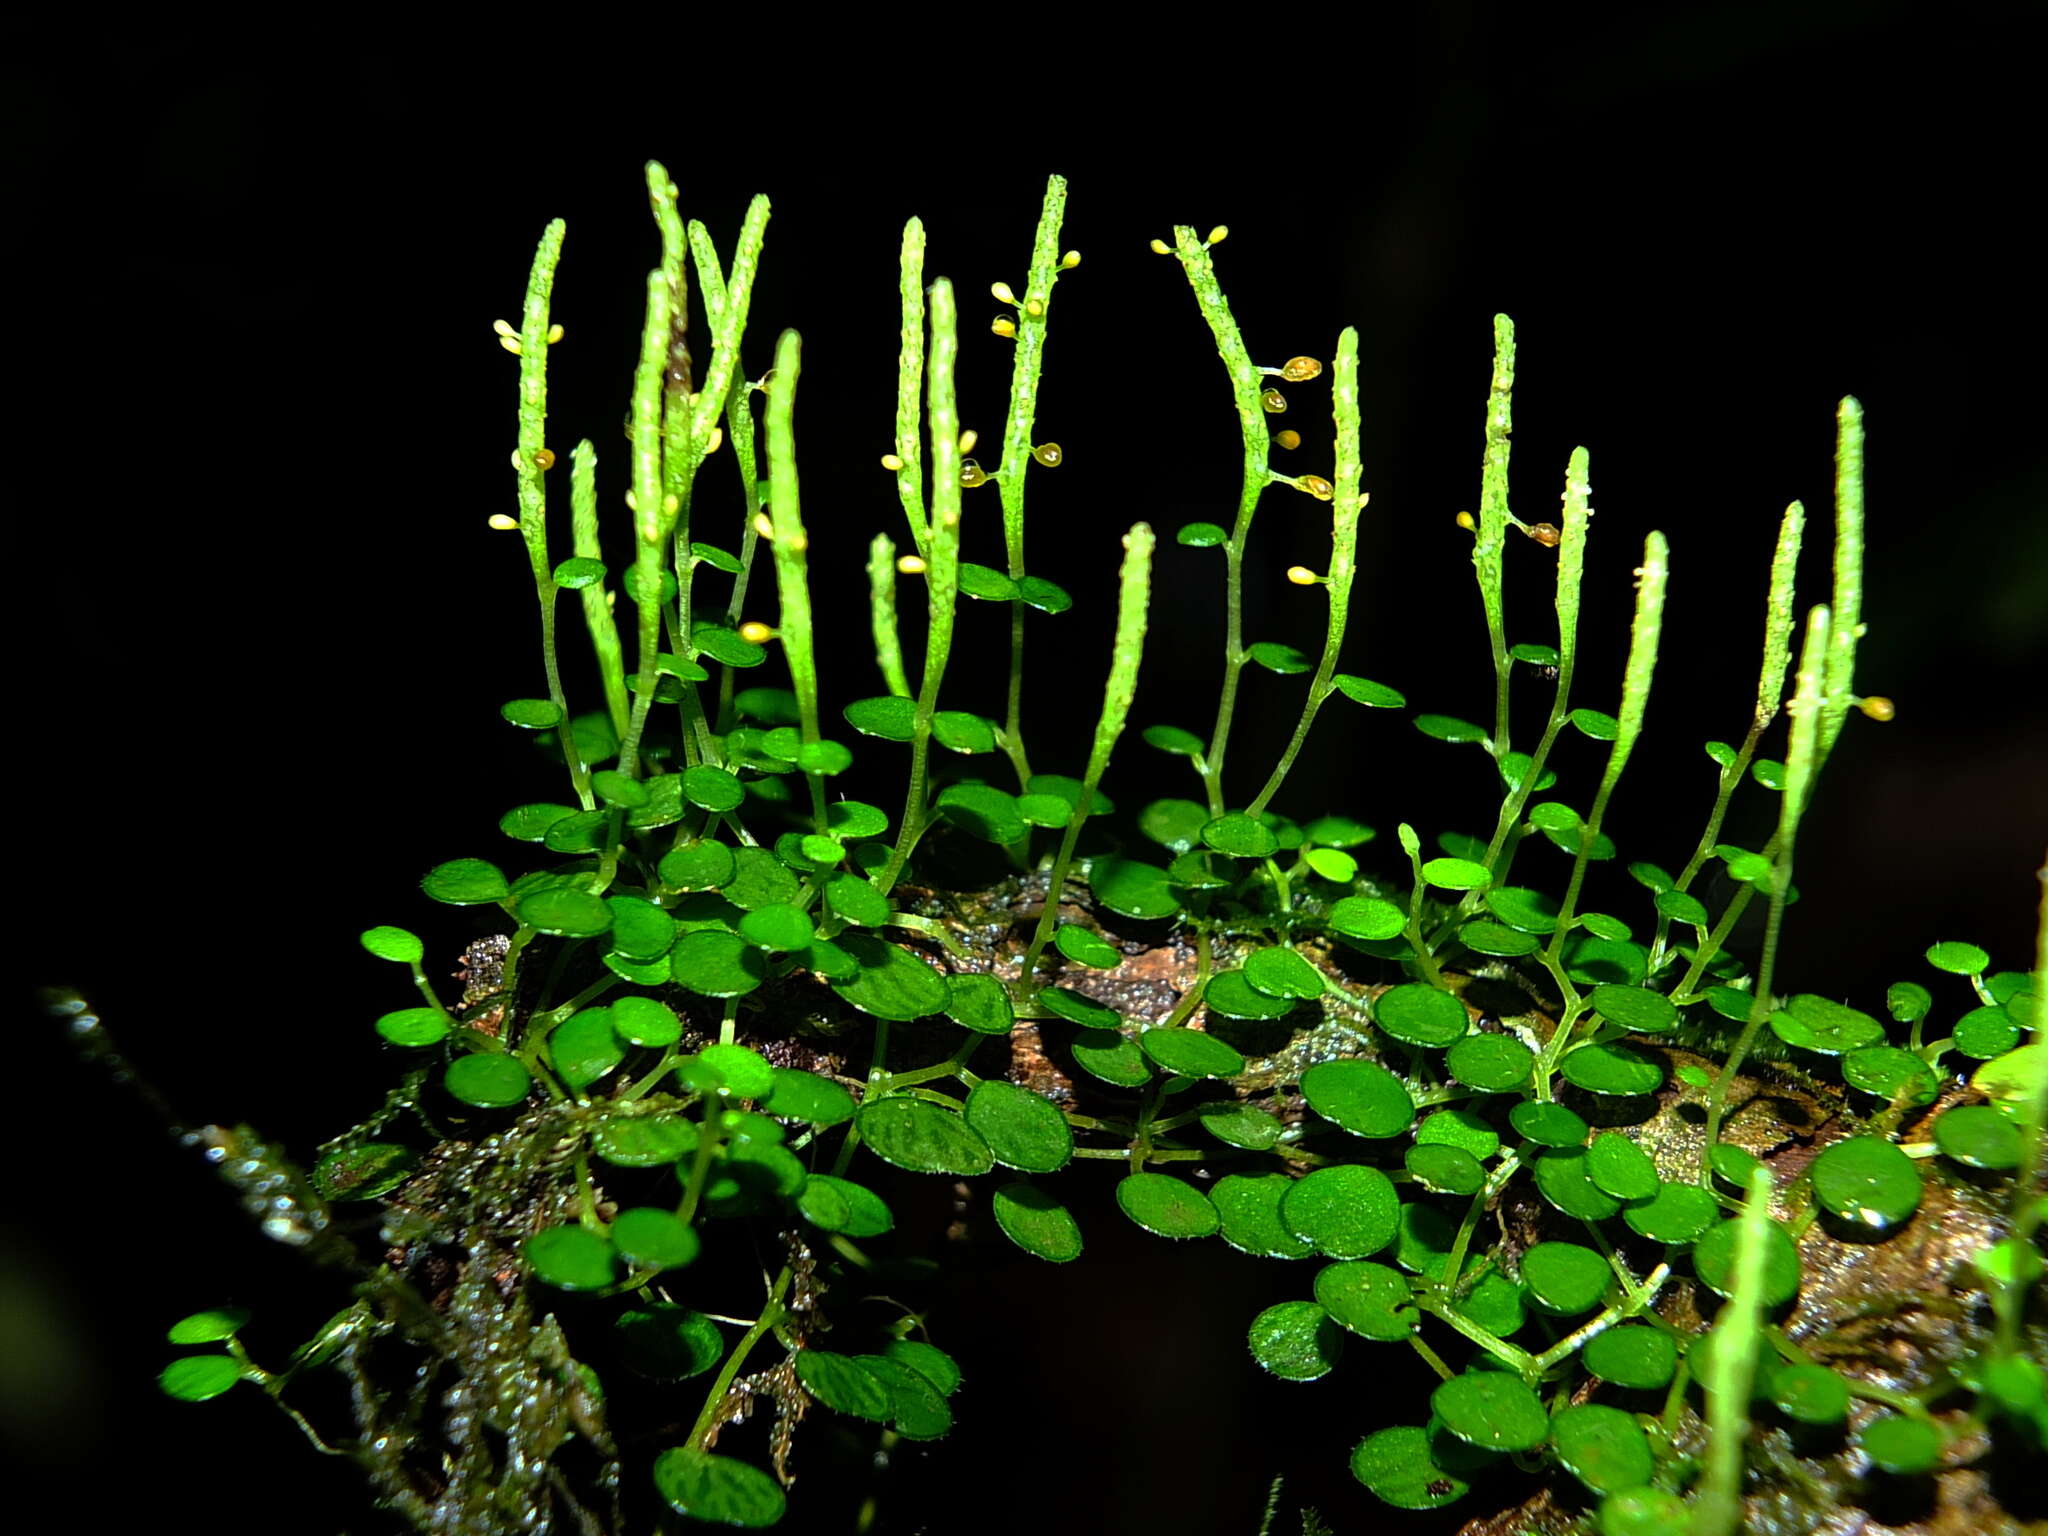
[209, 1327]
[893, 983]
[1249, 1207]
[1986, 1032]
[465, 883]
[780, 926]
[1275, 657]
[986, 583]
[1445, 1170]
[1978, 1136]
[697, 867]
[1240, 836]
[1959, 959]
[1083, 946]
[412, 1027]
[1868, 1181]
[641, 930]
[1525, 910]
[1045, 596]
[1908, 1001]
[727, 646]
[1493, 939]
[1494, 1063]
[196, 1378]
[651, 1238]
[1361, 1096]
[806, 1096]
[389, 943]
[1636, 1008]
[958, 731]
[1644, 1512]
[1601, 727]
[1078, 1008]
[1201, 535]
[923, 1137]
[1367, 918]
[745, 1073]
[918, 1410]
[1548, 1125]
[1282, 972]
[1191, 1053]
[566, 912]
[1612, 1069]
[645, 1141]
[1448, 728]
[1602, 1447]
[1348, 1210]
[1820, 1024]
[1111, 1056]
[1562, 1179]
[1416, 1013]
[1166, 1206]
[1022, 1128]
[1713, 1259]
[1363, 690]
[1036, 1222]
[584, 1047]
[983, 811]
[712, 788]
[531, 714]
[487, 1080]
[1296, 1341]
[1901, 1446]
[1229, 994]
[1171, 738]
[1811, 1394]
[1131, 888]
[855, 1209]
[1632, 1356]
[1895, 1075]
[572, 1258]
[1422, 1245]
[530, 823]
[714, 963]
[978, 1002]
[1677, 1213]
[1370, 1299]
[1239, 1125]
[1565, 1278]
[643, 1021]
[889, 717]
[1492, 1410]
[1458, 1128]
[1621, 1168]
[1398, 1466]
[719, 1490]
[1456, 874]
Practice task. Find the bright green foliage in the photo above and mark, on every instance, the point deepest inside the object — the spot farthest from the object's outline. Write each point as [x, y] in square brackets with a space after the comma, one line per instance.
[734, 1014]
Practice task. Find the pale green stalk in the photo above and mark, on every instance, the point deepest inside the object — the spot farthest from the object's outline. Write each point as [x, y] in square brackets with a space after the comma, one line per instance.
[942, 567]
[1032, 312]
[1718, 1509]
[1346, 503]
[1847, 602]
[1247, 384]
[597, 608]
[1494, 518]
[882, 615]
[909, 388]
[1644, 636]
[787, 543]
[1134, 595]
[650, 527]
[1802, 761]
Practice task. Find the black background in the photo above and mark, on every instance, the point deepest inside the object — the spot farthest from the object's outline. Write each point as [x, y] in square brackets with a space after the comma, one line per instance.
[265, 627]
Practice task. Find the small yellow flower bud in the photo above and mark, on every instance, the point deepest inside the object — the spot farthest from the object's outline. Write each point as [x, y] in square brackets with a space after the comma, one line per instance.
[756, 632]
[1048, 454]
[762, 526]
[972, 474]
[910, 565]
[632, 501]
[671, 504]
[511, 344]
[555, 334]
[518, 463]
[1316, 486]
[1161, 248]
[1071, 260]
[1217, 235]
[1034, 307]
[1302, 576]
[1296, 369]
[1002, 293]
[1287, 439]
[891, 462]
[1003, 325]
[1878, 707]
[714, 441]
[1273, 402]
[503, 327]
[504, 522]
[1465, 521]
[968, 439]
[545, 458]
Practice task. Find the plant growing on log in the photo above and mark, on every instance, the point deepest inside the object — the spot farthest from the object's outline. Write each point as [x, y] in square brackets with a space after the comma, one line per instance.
[1511, 1134]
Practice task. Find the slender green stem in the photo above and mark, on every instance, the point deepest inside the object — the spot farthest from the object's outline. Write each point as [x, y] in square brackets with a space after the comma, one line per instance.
[597, 600]
[909, 451]
[882, 615]
[1494, 518]
[1732, 1368]
[1134, 594]
[788, 543]
[1347, 502]
[771, 1314]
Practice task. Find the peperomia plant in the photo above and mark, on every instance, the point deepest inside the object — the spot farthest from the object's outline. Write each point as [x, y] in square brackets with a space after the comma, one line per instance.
[1636, 1211]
